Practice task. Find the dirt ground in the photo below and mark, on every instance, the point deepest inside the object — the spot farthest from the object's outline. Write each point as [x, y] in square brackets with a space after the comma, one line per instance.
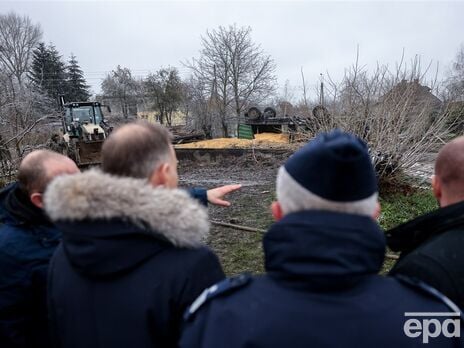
[238, 250]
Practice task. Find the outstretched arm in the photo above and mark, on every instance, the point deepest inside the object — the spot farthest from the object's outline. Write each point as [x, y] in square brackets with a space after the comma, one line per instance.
[216, 195]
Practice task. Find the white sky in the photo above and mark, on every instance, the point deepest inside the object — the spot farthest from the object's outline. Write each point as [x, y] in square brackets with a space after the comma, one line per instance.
[318, 36]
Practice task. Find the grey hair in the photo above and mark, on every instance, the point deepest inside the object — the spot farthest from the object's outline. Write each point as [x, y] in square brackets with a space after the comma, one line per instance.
[136, 150]
[294, 198]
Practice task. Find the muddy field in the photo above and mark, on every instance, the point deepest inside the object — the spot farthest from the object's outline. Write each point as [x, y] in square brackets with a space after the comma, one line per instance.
[238, 250]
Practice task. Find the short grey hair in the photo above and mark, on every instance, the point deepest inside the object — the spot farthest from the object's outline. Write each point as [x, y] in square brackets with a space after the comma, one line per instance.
[136, 150]
[32, 174]
[294, 198]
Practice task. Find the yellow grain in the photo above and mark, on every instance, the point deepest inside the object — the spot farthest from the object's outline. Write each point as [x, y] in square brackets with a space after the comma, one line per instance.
[261, 140]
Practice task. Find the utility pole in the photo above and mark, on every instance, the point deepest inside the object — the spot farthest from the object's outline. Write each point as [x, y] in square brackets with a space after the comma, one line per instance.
[321, 97]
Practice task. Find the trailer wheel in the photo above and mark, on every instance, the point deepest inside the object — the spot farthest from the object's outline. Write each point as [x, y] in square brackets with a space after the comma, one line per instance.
[270, 112]
[320, 111]
[253, 113]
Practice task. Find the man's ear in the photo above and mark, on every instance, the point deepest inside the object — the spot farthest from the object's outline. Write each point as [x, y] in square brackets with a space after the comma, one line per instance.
[37, 199]
[160, 175]
[436, 187]
[377, 211]
[277, 212]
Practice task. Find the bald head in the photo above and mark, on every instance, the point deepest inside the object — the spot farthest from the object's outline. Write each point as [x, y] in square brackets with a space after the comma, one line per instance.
[449, 173]
[135, 150]
[38, 168]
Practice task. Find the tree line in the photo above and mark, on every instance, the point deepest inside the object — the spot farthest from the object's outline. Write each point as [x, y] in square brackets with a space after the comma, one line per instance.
[230, 73]
[54, 77]
[32, 77]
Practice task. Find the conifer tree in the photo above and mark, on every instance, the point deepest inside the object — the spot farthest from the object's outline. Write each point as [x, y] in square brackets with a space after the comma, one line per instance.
[40, 65]
[56, 82]
[48, 71]
[77, 89]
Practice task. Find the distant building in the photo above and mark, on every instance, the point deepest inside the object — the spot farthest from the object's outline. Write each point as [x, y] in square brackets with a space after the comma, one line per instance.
[420, 95]
[120, 107]
[178, 118]
[413, 102]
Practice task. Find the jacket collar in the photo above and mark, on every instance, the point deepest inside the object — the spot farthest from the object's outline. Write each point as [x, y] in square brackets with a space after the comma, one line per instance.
[325, 250]
[5, 215]
[96, 196]
[408, 236]
[17, 209]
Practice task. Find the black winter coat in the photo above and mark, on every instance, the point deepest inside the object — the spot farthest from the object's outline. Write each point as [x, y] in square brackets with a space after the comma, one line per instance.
[130, 263]
[27, 242]
[432, 249]
[321, 289]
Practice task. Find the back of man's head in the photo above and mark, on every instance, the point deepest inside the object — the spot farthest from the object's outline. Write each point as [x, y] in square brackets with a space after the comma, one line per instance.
[449, 171]
[333, 172]
[38, 168]
[135, 150]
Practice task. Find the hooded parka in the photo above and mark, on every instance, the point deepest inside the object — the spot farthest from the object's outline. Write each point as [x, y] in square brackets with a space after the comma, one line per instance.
[131, 261]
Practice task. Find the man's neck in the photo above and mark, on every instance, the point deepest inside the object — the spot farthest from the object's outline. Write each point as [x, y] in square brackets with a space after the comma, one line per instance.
[447, 201]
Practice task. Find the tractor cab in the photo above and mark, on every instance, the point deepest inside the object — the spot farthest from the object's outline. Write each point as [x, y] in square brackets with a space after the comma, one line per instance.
[84, 118]
[84, 131]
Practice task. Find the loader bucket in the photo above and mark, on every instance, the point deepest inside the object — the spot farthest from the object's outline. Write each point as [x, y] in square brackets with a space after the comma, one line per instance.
[89, 152]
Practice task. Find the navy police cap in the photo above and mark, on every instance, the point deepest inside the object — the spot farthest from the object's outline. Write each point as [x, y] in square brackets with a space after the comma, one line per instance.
[335, 166]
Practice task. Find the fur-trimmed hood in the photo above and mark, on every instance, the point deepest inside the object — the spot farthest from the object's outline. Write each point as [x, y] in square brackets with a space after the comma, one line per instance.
[96, 196]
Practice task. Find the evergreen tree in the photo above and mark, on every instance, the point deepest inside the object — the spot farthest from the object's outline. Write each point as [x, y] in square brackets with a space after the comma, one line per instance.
[77, 89]
[40, 64]
[56, 82]
[48, 71]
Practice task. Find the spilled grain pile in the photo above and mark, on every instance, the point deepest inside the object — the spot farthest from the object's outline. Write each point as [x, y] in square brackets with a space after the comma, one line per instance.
[263, 140]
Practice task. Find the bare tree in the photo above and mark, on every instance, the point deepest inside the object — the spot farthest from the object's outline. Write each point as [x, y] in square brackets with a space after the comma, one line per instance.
[454, 90]
[252, 70]
[233, 70]
[18, 37]
[164, 89]
[22, 107]
[122, 89]
[200, 108]
[23, 115]
[392, 110]
[284, 101]
[303, 84]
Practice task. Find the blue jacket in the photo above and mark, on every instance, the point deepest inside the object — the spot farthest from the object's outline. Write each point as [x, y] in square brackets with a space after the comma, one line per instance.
[131, 261]
[200, 194]
[321, 289]
[27, 242]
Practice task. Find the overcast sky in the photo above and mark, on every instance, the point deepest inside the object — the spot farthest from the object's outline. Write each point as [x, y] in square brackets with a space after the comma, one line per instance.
[318, 36]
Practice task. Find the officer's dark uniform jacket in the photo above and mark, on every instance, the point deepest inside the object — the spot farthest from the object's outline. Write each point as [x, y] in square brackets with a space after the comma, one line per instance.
[432, 249]
[27, 242]
[321, 289]
[130, 263]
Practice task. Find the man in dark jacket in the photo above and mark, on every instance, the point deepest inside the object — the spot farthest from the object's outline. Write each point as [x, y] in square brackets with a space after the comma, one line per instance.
[322, 258]
[132, 257]
[27, 241]
[432, 245]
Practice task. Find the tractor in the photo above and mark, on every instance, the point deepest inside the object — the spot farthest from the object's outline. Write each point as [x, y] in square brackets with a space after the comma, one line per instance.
[84, 131]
